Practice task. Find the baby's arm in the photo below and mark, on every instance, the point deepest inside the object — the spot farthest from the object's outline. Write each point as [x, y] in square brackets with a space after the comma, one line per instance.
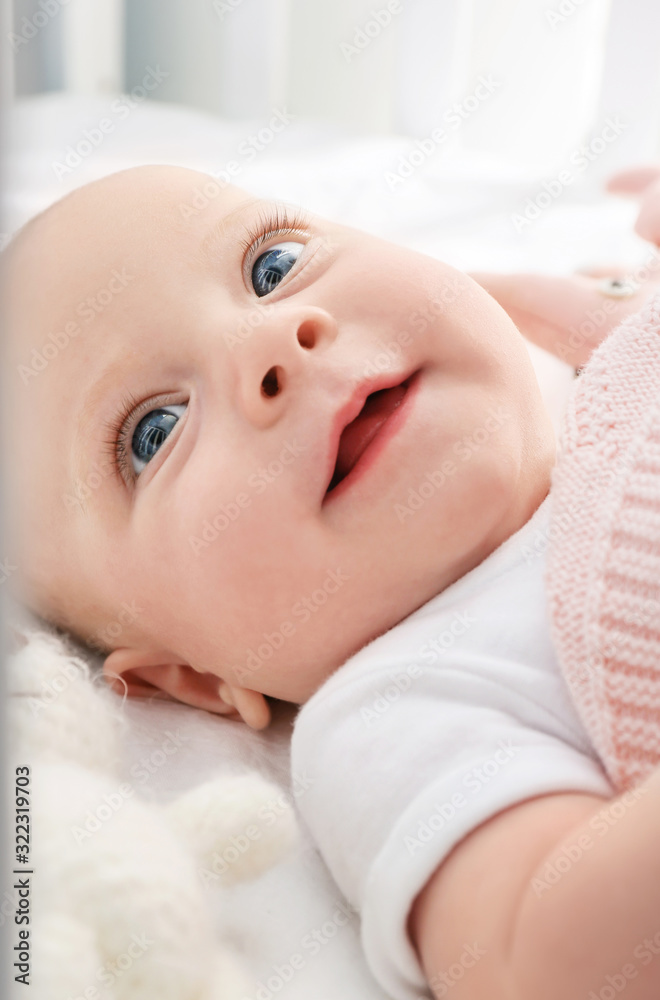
[569, 316]
[542, 939]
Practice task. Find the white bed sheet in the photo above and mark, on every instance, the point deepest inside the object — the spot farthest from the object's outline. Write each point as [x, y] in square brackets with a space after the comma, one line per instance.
[455, 209]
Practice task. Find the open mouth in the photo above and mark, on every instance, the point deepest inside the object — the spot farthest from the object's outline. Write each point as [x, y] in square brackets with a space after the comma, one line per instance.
[357, 436]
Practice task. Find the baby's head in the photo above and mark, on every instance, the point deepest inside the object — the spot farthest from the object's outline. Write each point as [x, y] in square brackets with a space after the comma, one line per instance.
[181, 363]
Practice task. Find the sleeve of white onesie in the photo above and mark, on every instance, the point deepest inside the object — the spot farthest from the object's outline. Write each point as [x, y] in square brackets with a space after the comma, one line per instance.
[392, 786]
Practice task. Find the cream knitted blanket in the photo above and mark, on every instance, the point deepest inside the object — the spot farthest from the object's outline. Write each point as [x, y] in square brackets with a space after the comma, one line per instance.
[603, 566]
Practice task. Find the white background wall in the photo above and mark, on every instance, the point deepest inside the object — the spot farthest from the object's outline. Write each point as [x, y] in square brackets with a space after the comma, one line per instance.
[561, 66]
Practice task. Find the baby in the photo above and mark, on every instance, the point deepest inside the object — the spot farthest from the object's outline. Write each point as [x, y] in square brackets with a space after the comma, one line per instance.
[289, 460]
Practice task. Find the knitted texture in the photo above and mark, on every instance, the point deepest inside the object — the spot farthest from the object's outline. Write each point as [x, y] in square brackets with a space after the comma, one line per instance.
[603, 553]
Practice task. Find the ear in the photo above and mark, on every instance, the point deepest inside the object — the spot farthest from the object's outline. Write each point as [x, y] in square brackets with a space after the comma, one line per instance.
[141, 673]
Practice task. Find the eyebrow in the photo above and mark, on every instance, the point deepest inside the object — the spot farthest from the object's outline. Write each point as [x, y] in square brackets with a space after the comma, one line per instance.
[82, 468]
[210, 243]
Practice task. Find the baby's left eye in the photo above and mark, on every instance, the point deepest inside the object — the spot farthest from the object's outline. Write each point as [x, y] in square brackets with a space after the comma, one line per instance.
[150, 433]
[273, 265]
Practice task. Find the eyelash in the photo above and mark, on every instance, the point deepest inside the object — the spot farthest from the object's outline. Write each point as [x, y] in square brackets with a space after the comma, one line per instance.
[115, 443]
[275, 222]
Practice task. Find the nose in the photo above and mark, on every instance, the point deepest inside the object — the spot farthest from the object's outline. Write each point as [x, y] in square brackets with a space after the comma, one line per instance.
[278, 356]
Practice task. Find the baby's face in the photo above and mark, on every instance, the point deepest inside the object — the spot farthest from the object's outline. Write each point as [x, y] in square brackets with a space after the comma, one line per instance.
[254, 536]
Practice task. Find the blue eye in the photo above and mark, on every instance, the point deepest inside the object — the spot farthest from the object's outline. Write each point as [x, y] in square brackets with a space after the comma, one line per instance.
[273, 265]
[150, 433]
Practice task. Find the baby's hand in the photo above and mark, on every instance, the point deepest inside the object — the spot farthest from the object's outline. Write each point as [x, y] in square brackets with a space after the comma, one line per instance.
[569, 315]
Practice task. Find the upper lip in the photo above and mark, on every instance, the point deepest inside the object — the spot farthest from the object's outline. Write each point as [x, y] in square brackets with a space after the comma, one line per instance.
[352, 407]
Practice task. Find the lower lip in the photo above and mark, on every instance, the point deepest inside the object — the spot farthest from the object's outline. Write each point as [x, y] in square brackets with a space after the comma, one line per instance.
[393, 423]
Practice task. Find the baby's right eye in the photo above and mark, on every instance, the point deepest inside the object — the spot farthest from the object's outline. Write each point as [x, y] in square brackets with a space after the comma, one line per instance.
[273, 265]
[263, 269]
[150, 433]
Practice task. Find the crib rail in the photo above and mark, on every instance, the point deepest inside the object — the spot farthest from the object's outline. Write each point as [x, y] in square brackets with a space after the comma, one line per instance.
[561, 67]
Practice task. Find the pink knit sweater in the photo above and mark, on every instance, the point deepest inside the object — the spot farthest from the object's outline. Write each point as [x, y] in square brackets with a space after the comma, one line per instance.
[603, 566]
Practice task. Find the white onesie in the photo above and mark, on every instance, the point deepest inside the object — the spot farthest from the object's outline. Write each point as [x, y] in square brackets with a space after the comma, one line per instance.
[453, 715]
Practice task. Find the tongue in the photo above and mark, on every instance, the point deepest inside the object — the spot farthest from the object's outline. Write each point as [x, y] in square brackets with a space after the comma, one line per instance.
[358, 435]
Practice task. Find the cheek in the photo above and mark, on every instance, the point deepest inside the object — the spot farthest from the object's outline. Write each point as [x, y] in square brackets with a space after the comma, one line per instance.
[429, 305]
[494, 332]
[243, 555]
[387, 284]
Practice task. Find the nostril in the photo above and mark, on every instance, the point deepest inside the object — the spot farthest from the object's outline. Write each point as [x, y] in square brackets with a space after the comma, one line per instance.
[271, 383]
[306, 336]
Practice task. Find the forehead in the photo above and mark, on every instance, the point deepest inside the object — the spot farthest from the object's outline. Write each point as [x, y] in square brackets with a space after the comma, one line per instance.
[118, 220]
[76, 269]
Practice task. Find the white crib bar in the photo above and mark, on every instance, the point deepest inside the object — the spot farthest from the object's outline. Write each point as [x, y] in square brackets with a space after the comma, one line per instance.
[631, 77]
[7, 61]
[415, 70]
[93, 46]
